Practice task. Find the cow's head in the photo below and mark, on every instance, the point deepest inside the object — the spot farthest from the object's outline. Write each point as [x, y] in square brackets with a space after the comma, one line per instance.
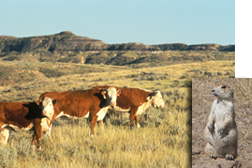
[156, 99]
[110, 95]
[47, 107]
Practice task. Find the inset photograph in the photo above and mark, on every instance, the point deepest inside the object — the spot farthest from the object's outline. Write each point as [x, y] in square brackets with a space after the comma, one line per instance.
[221, 122]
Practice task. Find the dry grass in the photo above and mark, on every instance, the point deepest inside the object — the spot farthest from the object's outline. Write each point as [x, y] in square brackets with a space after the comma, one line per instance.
[164, 140]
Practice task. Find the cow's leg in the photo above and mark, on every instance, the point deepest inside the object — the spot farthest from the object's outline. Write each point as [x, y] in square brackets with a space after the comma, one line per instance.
[50, 130]
[37, 133]
[4, 136]
[101, 124]
[137, 121]
[46, 127]
[48, 133]
[133, 112]
[92, 124]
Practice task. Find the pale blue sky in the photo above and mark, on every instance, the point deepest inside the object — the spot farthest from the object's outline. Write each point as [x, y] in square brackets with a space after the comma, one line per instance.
[123, 21]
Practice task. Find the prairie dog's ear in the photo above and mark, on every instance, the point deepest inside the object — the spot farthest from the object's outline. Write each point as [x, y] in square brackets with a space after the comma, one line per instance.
[103, 93]
[232, 92]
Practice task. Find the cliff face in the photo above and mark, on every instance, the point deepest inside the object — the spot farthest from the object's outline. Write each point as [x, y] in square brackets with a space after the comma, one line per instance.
[197, 47]
[67, 41]
[133, 47]
[64, 41]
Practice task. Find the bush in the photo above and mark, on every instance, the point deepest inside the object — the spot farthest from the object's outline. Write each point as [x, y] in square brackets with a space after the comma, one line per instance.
[187, 84]
[52, 73]
[185, 75]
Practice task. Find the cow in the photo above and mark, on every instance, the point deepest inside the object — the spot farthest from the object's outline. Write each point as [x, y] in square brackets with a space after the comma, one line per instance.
[19, 116]
[136, 101]
[91, 103]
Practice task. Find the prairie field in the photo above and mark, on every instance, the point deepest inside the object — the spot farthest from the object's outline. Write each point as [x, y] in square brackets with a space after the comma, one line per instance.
[164, 139]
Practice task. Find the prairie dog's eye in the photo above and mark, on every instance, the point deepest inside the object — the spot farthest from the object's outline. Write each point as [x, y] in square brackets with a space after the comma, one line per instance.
[223, 87]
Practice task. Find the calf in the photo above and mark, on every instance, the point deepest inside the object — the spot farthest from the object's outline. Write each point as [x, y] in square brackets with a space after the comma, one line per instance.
[136, 101]
[92, 103]
[23, 116]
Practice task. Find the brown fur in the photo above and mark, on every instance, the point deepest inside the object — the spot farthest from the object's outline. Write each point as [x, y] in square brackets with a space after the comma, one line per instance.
[78, 103]
[21, 115]
[131, 98]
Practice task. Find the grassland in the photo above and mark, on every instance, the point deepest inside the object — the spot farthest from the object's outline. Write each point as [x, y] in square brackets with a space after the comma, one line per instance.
[164, 140]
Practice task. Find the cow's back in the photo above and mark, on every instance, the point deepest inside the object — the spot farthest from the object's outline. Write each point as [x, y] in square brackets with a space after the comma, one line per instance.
[130, 97]
[18, 114]
[75, 103]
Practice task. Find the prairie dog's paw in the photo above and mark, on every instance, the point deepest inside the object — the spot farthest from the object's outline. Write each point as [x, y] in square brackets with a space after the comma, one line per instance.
[213, 156]
[229, 157]
[220, 131]
[210, 127]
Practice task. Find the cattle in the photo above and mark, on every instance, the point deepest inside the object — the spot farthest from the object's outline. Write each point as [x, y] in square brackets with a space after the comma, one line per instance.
[19, 116]
[91, 103]
[136, 101]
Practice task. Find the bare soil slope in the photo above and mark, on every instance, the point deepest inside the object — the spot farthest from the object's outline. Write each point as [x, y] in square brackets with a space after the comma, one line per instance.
[202, 99]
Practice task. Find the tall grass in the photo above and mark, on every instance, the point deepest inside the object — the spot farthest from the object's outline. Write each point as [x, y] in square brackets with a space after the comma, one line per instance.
[162, 141]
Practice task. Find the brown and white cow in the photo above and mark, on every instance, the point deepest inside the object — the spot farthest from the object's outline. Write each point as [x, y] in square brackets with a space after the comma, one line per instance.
[92, 103]
[19, 116]
[136, 101]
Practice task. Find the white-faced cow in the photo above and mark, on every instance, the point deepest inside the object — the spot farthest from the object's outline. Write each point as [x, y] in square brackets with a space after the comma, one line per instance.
[136, 101]
[23, 116]
[92, 103]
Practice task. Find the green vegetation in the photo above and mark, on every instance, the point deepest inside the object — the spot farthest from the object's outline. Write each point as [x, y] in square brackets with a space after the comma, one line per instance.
[129, 58]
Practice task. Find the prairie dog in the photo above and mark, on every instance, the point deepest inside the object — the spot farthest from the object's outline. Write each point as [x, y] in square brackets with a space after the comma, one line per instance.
[221, 132]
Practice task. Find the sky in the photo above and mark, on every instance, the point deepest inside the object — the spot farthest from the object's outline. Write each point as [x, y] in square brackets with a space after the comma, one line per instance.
[123, 21]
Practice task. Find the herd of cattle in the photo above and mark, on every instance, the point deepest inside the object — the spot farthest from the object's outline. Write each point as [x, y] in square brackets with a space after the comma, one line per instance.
[92, 103]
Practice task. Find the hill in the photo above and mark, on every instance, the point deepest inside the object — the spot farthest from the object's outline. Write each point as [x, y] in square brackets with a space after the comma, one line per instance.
[67, 47]
[67, 41]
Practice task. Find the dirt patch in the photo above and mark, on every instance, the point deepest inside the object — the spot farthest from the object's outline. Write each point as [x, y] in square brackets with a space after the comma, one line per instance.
[202, 99]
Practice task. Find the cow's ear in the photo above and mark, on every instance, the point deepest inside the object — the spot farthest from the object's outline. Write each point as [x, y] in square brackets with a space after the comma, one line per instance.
[118, 92]
[54, 101]
[155, 93]
[151, 95]
[103, 93]
[38, 102]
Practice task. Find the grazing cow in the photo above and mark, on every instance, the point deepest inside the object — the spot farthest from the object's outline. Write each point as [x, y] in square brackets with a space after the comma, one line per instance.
[23, 116]
[92, 103]
[136, 101]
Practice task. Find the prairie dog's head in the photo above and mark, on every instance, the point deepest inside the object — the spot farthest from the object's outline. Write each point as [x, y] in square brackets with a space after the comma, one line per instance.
[223, 92]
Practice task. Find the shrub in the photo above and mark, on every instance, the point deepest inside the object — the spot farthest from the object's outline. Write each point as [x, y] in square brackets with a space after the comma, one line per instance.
[185, 75]
[52, 73]
[187, 83]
